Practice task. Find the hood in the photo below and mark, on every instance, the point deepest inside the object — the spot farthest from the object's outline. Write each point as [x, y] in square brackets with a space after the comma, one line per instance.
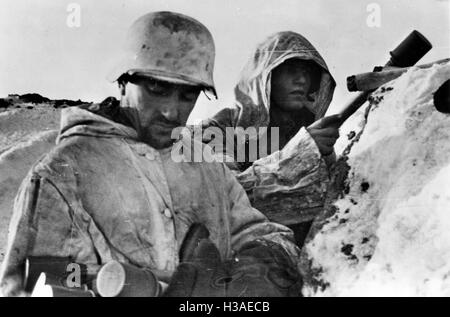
[93, 120]
[252, 93]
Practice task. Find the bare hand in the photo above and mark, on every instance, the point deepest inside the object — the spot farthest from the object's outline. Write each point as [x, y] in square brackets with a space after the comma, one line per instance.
[325, 132]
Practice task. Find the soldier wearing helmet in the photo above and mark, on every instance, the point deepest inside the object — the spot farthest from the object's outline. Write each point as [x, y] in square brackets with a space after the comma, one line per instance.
[167, 60]
[110, 190]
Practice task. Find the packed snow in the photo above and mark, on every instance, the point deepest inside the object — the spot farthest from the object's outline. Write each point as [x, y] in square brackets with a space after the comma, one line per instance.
[390, 235]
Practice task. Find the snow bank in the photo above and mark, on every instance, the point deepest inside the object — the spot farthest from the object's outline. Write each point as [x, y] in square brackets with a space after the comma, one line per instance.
[25, 135]
[14, 165]
[19, 125]
[390, 233]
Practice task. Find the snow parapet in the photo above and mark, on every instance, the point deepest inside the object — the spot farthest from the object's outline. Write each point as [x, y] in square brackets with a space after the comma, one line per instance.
[385, 229]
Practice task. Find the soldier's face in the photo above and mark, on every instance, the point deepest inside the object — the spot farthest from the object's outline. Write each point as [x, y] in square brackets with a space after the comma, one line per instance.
[161, 107]
[291, 82]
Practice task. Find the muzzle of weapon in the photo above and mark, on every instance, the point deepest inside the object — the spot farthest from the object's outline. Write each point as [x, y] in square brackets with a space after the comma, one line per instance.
[117, 279]
[49, 285]
[406, 54]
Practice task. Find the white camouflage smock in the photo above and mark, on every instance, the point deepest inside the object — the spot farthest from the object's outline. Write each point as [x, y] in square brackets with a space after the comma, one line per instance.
[298, 168]
[101, 195]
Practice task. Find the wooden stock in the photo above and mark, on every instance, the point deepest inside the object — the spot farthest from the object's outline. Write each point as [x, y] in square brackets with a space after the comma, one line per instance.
[372, 80]
[353, 105]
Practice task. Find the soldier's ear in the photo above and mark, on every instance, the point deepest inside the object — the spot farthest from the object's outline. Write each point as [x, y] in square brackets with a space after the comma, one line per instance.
[122, 88]
[122, 82]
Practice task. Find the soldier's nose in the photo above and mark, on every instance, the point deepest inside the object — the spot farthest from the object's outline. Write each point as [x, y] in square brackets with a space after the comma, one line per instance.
[170, 114]
[300, 79]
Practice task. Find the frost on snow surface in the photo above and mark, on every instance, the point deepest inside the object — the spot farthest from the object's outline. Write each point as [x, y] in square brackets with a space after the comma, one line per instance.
[386, 228]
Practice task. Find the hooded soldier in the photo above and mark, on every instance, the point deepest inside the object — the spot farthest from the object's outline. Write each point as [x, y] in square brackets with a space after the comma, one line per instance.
[111, 190]
[285, 85]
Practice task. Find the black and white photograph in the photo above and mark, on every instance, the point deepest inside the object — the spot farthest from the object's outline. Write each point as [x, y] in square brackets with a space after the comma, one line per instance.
[239, 149]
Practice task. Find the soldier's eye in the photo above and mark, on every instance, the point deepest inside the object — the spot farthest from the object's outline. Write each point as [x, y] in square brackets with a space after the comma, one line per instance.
[189, 95]
[157, 88]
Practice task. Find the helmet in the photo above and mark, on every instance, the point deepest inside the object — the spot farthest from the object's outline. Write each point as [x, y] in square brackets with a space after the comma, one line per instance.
[171, 47]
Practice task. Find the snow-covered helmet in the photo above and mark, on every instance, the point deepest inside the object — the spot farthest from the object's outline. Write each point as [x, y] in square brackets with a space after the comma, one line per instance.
[171, 47]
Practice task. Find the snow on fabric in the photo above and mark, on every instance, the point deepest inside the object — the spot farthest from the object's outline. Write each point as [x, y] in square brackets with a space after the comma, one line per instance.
[390, 235]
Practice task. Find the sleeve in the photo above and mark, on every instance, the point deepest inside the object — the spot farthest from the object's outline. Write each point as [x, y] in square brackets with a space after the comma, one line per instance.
[43, 224]
[265, 259]
[247, 224]
[289, 185]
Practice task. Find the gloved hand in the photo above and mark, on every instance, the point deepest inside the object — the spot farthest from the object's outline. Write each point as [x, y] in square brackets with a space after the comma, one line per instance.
[202, 275]
[200, 272]
[263, 269]
[325, 133]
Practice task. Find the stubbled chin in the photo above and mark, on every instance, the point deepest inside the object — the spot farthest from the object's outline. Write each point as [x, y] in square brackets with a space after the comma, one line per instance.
[295, 106]
[300, 105]
[158, 140]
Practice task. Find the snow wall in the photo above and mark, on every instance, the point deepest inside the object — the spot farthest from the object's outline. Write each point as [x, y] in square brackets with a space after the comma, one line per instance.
[386, 227]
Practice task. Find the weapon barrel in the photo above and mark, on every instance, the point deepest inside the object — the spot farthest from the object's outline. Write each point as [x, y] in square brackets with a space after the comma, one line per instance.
[407, 53]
